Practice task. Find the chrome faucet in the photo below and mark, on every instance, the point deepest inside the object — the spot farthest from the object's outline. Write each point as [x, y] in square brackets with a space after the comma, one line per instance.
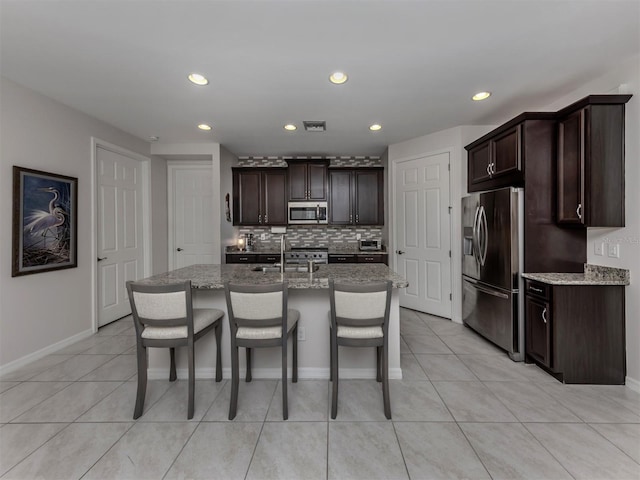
[282, 245]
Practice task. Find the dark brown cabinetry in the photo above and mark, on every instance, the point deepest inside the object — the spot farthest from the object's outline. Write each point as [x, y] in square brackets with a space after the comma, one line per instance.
[538, 323]
[241, 258]
[577, 332]
[307, 181]
[342, 259]
[353, 258]
[591, 162]
[497, 161]
[524, 150]
[356, 196]
[259, 196]
[252, 257]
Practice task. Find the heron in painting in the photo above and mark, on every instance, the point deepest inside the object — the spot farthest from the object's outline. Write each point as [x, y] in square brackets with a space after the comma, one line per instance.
[42, 221]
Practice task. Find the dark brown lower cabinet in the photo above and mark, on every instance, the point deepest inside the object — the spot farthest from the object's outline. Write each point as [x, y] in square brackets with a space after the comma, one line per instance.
[342, 259]
[352, 258]
[577, 332]
[241, 258]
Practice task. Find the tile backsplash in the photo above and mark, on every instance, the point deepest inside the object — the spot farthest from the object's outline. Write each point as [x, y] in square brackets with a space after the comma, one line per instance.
[334, 162]
[312, 236]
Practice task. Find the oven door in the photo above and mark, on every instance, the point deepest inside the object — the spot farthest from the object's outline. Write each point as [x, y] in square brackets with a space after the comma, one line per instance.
[307, 212]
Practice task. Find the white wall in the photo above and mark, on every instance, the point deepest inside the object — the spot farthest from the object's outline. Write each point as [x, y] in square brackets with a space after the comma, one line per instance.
[41, 310]
[159, 217]
[454, 140]
[228, 233]
[197, 152]
[625, 79]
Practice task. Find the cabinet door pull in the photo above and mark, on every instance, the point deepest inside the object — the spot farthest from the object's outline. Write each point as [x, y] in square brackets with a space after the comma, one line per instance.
[489, 169]
[265, 218]
[493, 168]
[535, 289]
[544, 315]
[357, 218]
[350, 218]
[579, 211]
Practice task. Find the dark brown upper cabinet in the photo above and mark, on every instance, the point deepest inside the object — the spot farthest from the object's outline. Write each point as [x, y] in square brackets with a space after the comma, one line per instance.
[356, 196]
[591, 162]
[307, 181]
[496, 161]
[259, 196]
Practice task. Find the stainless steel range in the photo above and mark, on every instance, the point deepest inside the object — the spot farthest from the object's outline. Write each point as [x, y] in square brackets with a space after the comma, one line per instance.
[304, 254]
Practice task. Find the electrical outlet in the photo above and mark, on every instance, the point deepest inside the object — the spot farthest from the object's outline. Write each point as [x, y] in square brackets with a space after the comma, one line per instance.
[301, 337]
[358, 236]
[263, 236]
[598, 248]
[614, 250]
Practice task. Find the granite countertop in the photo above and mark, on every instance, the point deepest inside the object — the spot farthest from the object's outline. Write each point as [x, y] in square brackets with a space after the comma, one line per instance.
[593, 275]
[212, 277]
[333, 250]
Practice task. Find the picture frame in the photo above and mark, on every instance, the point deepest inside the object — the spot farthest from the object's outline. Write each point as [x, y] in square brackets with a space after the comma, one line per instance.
[45, 215]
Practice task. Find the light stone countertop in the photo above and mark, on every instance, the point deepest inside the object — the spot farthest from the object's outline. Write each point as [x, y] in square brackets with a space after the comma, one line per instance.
[213, 277]
[333, 250]
[593, 275]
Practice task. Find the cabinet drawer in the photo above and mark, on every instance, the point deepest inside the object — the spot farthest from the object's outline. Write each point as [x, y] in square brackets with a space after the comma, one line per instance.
[537, 289]
[376, 258]
[268, 257]
[241, 258]
[342, 259]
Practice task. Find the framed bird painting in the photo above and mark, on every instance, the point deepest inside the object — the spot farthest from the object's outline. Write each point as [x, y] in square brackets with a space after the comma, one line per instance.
[45, 211]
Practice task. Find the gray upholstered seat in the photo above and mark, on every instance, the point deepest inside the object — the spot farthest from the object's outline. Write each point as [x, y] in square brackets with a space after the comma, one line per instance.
[359, 317]
[259, 317]
[164, 316]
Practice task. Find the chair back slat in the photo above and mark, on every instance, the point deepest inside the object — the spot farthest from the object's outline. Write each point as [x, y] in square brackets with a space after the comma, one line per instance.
[360, 305]
[257, 309]
[161, 305]
[161, 308]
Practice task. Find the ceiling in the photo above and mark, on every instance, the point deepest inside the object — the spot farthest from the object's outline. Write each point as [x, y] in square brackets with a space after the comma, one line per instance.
[412, 66]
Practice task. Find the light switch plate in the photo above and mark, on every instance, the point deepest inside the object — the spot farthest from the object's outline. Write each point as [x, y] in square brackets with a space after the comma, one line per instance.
[614, 250]
[598, 248]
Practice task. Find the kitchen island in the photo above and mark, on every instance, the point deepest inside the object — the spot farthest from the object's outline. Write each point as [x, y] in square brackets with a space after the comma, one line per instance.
[308, 293]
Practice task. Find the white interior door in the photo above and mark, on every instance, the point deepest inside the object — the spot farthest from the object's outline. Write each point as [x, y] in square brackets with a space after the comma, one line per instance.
[120, 245]
[191, 228]
[423, 233]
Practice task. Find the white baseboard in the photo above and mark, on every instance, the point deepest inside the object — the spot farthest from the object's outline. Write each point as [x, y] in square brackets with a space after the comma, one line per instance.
[276, 373]
[32, 357]
[633, 384]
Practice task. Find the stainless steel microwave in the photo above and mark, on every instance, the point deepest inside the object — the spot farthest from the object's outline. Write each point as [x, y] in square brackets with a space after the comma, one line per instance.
[307, 213]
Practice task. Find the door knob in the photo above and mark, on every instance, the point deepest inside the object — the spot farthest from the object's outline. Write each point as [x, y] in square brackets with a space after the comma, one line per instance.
[178, 249]
[101, 258]
[399, 252]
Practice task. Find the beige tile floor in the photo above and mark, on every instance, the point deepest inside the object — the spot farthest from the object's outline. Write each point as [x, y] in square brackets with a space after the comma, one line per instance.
[463, 410]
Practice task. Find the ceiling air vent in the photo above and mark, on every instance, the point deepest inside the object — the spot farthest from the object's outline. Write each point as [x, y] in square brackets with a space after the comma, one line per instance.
[315, 126]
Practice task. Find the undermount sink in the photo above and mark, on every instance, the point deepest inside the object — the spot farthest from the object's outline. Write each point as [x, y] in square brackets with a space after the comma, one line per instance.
[287, 268]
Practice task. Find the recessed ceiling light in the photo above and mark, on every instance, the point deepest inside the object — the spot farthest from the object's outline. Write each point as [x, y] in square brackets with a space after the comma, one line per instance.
[481, 96]
[375, 127]
[290, 126]
[198, 79]
[338, 78]
[154, 138]
[204, 126]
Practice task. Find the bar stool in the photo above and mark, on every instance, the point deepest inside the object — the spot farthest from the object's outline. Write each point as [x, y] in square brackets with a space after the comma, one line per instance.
[359, 317]
[259, 317]
[164, 316]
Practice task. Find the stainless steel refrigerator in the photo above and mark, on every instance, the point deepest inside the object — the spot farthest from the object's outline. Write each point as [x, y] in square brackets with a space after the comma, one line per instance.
[492, 260]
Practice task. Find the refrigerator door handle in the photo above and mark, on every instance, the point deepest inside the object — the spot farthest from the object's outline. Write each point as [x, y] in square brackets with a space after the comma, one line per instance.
[482, 289]
[474, 238]
[485, 235]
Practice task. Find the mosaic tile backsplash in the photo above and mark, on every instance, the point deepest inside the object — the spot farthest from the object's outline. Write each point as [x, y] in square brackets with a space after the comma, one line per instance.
[350, 161]
[312, 236]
